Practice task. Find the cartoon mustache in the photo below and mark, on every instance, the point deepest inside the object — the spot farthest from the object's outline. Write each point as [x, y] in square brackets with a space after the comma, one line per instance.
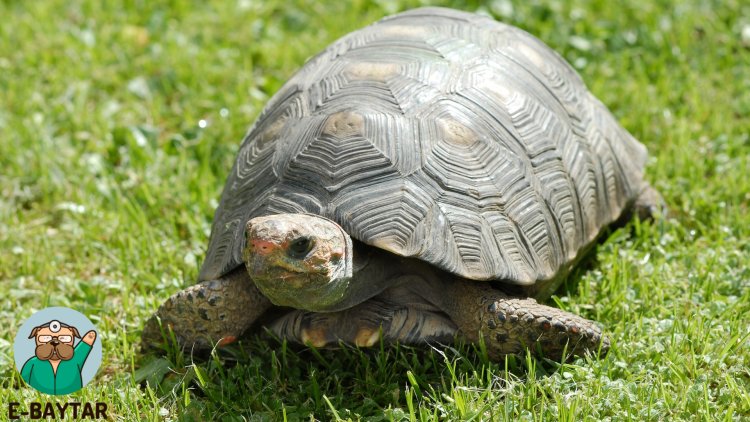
[46, 351]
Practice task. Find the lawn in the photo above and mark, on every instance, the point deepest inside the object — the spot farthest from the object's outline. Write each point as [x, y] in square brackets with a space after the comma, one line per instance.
[119, 124]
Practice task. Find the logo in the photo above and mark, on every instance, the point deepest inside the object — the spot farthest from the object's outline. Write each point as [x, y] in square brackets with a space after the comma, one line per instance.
[58, 351]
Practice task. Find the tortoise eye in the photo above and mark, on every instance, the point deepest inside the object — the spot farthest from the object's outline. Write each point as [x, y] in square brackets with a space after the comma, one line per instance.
[299, 248]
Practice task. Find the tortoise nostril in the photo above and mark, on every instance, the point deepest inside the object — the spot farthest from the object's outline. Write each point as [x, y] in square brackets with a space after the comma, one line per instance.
[262, 247]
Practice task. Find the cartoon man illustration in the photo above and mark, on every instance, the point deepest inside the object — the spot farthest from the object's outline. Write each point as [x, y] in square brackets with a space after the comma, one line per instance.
[56, 368]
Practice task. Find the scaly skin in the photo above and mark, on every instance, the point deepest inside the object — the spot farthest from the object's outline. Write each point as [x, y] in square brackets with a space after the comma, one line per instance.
[510, 325]
[210, 313]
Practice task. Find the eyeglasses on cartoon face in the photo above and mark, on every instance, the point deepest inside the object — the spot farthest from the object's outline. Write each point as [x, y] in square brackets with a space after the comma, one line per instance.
[61, 339]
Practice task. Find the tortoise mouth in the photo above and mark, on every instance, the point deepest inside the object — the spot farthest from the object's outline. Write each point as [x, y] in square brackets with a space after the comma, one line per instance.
[307, 288]
[302, 290]
[298, 274]
[293, 277]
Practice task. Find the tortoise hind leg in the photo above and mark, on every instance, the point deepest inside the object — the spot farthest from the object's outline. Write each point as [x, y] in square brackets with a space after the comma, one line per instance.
[510, 325]
[649, 204]
[363, 325]
[209, 313]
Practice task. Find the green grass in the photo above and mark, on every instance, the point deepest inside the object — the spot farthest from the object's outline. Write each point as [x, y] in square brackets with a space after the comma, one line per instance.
[118, 126]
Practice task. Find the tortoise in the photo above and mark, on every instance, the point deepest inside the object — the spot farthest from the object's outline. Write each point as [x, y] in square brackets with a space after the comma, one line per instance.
[429, 176]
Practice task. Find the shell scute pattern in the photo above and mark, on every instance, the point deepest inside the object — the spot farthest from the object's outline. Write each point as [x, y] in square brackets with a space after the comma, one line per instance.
[440, 135]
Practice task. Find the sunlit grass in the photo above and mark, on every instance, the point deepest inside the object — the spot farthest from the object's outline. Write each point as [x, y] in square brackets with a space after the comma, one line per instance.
[119, 124]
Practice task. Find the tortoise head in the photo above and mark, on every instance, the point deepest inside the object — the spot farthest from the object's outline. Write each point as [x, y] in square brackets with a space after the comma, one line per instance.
[299, 260]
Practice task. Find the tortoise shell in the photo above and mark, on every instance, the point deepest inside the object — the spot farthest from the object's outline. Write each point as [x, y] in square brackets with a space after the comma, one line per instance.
[440, 135]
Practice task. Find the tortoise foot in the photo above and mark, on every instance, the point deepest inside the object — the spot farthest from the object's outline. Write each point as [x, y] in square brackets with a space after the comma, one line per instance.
[510, 325]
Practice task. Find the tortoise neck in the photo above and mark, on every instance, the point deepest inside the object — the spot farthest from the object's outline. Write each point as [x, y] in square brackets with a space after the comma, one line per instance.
[373, 270]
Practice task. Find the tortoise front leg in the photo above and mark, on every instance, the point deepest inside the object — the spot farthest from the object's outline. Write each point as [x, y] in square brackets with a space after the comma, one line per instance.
[511, 325]
[209, 313]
